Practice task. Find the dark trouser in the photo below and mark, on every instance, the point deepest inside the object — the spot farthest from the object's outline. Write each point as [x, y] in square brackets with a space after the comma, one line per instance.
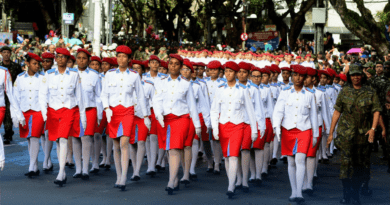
[7, 122]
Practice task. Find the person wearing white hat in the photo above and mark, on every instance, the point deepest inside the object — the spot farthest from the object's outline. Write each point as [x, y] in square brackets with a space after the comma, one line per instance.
[104, 53]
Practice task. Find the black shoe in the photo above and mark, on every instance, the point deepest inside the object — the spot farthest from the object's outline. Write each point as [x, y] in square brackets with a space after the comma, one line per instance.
[273, 161]
[309, 192]
[162, 168]
[200, 154]
[71, 166]
[59, 182]
[29, 174]
[66, 179]
[294, 199]
[210, 170]
[230, 194]
[158, 168]
[238, 187]
[129, 162]
[264, 175]
[116, 186]
[36, 173]
[94, 171]
[151, 173]
[48, 170]
[365, 191]
[330, 157]
[258, 182]
[252, 181]
[245, 189]
[169, 190]
[299, 200]
[185, 182]
[107, 167]
[77, 175]
[102, 165]
[135, 178]
[325, 161]
[177, 188]
[85, 177]
[122, 187]
[193, 177]
[7, 142]
[217, 172]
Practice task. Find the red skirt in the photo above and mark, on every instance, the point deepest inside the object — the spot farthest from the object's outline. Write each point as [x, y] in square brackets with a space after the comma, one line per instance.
[121, 121]
[174, 132]
[59, 122]
[139, 131]
[154, 122]
[269, 133]
[205, 135]
[34, 124]
[247, 139]
[191, 135]
[78, 130]
[103, 125]
[312, 152]
[2, 114]
[295, 141]
[230, 136]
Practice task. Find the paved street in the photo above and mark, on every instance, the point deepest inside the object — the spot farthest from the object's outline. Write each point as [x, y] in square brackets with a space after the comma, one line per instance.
[209, 189]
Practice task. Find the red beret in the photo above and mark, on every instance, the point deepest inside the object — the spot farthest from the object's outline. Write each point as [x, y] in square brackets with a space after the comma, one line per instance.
[300, 69]
[278, 59]
[214, 65]
[63, 51]
[201, 64]
[244, 65]
[137, 62]
[269, 68]
[123, 49]
[343, 77]
[266, 70]
[34, 56]
[73, 58]
[164, 64]
[254, 68]
[146, 63]
[47, 55]
[337, 76]
[153, 57]
[179, 58]
[298, 57]
[286, 68]
[95, 58]
[332, 73]
[187, 63]
[108, 60]
[232, 65]
[311, 71]
[275, 68]
[84, 50]
[114, 61]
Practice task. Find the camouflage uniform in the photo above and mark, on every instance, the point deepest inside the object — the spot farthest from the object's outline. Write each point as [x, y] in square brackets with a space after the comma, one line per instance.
[14, 69]
[36, 50]
[137, 55]
[356, 108]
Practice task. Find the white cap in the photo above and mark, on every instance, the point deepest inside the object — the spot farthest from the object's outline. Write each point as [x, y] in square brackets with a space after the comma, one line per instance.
[76, 47]
[105, 48]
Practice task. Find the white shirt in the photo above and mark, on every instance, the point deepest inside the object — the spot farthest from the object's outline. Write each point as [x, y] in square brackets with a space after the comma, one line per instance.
[258, 106]
[61, 91]
[92, 88]
[155, 80]
[323, 112]
[212, 86]
[296, 110]
[275, 91]
[120, 88]
[176, 96]
[6, 87]
[331, 94]
[48, 42]
[203, 85]
[202, 104]
[230, 105]
[149, 93]
[26, 91]
[268, 101]
[308, 64]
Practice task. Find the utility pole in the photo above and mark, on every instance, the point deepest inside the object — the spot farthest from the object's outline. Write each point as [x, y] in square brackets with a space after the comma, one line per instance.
[243, 22]
[209, 13]
[90, 20]
[110, 21]
[97, 28]
[319, 39]
[64, 27]
[3, 17]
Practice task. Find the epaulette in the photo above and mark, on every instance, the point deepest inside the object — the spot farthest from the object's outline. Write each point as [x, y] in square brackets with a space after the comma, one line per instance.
[148, 81]
[223, 84]
[164, 75]
[282, 83]
[111, 70]
[73, 69]
[132, 70]
[94, 71]
[254, 85]
[338, 85]
[143, 74]
[321, 89]
[261, 86]
[201, 80]
[207, 78]
[274, 84]
[102, 75]
[51, 71]
[42, 73]
[223, 79]
[310, 90]
[22, 73]
[287, 88]
[243, 86]
[185, 78]
[195, 82]
[4, 68]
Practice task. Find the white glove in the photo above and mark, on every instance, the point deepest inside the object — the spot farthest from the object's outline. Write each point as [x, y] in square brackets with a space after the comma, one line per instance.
[198, 132]
[44, 116]
[108, 114]
[98, 121]
[254, 137]
[262, 134]
[277, 132]
[160, 119]
[2, 162]
[15, 122]
[314, 141]
[84, 123]
[22, 122]
[147, 122]
[216, 133]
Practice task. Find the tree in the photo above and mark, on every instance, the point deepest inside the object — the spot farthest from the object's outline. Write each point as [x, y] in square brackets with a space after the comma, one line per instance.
[363, 25]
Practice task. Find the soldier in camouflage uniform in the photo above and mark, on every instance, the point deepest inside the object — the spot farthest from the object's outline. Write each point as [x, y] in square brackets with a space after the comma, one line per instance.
[359, 109]
[138, 54]
[163, 55]
[386, 111]
[14, 69]
[34, 49]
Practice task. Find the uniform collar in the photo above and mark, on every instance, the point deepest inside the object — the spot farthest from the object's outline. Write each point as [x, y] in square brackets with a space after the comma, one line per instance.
[311, 90]
[265, 85]
[178, 78]
[302, 91]
[66, 71]
[118, 70]
[36, 74]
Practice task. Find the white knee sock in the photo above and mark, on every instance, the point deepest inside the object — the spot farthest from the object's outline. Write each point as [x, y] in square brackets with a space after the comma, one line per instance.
[252, 165]
[161, 155]
[69, 155]
[310, 167]
[124, 145]
[154, 151]
[34, 150]
[133, 156]
[174, 163]
[104, 151]
[292, 175]
[48, 148]
[195, 150]
[140, 157]
[208, 153]
[77, 154]
[217, 154]
[147, 150]
[110, 147]
[43, 144]
[117, 160]
[239, 172]
[86, 144]
[266, 158]
[97, 144]
[232, 173]
[275, 148]
[245, 158]
[300, 161]
[259, 158]
[62, 146]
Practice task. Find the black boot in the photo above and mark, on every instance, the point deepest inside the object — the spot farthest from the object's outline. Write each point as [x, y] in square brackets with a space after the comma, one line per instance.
[346, 191]
[355, 195]
[365, 191]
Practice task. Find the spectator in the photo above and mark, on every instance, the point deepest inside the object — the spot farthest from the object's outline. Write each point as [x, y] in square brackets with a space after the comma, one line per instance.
[329, 42]
[387, 31]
